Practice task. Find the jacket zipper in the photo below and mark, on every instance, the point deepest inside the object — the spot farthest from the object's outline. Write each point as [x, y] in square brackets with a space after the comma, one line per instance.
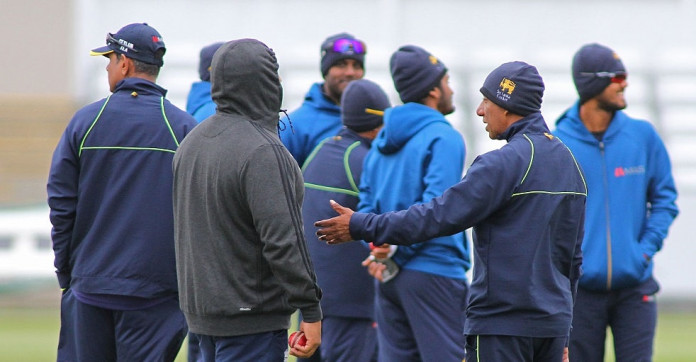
[606, 210]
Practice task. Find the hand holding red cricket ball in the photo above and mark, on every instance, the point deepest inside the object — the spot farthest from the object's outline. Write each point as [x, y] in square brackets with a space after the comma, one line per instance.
[304, 342]
[297, 338]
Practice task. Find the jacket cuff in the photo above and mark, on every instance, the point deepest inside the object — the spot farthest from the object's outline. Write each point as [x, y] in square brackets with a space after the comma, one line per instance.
[356, 226]
[63, 280]
[312, 314]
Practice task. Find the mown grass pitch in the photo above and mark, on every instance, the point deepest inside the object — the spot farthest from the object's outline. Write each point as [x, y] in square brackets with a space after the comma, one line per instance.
[31, 334]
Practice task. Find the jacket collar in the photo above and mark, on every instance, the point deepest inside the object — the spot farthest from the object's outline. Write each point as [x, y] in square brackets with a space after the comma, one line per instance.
[141, 86]
[533, 123]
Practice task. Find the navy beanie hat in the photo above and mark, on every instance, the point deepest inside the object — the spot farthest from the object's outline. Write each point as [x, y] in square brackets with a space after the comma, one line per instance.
[362, 105]
[516, 87]
[415, 72]
[593, 67]
[206, 58]
[341, 46]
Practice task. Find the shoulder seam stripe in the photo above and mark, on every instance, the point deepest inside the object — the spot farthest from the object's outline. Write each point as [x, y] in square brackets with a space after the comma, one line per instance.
[128, 148]
[550, 193]
[310, 185]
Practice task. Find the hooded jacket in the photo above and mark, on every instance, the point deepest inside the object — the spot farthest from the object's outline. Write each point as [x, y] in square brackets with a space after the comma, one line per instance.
[631, 202]
[242, 260]
[526, 203]
[415, 157]
[109, 190]
[317, 119]
[199, 102]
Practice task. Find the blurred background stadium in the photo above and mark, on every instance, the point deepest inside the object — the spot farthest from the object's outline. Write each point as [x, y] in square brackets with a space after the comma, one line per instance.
[47, 74]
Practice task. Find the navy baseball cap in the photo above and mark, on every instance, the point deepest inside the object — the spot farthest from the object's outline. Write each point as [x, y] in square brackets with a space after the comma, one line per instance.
[137, 41]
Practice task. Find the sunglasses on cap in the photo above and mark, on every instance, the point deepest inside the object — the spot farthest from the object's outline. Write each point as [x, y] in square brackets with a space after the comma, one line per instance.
[119, 43]
[348, 46]
[616, 77]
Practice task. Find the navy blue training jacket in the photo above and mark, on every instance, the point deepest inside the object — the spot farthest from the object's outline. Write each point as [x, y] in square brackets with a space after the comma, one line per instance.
[332, 172]
[110, 194]
[526, 203]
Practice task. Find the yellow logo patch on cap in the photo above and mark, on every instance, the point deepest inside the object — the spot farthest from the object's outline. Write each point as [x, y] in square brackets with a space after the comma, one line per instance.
[507, 86]
[616, 56]
[433, 60]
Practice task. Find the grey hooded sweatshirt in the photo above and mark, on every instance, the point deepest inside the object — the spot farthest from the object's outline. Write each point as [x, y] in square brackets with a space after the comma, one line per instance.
[242, 261]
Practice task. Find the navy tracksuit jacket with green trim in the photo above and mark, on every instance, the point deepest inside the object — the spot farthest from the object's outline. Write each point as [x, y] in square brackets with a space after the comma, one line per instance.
[526, 204]
[110, 194]
[333, 173]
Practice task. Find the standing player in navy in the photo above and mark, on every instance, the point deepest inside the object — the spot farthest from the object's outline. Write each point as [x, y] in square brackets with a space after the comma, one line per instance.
[526, 204]
[631, 205]
[110, 194]
[332, 171]
[319, 117]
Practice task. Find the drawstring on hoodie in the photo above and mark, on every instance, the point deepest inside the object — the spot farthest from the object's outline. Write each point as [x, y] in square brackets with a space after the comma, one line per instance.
[284, 127]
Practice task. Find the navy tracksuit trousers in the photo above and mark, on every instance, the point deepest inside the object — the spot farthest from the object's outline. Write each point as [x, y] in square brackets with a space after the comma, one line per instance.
[420, 317]
[89, 333]
[631, 313]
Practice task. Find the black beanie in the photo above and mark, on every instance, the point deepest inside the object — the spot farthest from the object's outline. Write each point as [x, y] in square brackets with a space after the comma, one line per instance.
[329, 56]
[591, 67]
[415, 72]
[206, 58]
[516, 87]
[362, 105]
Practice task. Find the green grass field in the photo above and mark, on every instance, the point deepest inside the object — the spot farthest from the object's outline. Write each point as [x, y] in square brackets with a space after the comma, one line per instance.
[31, 334]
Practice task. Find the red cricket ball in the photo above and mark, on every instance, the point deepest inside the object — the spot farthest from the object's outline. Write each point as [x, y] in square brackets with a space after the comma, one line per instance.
[297, 338]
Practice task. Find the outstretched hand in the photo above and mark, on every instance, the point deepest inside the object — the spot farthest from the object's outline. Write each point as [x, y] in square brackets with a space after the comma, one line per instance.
[337, 229]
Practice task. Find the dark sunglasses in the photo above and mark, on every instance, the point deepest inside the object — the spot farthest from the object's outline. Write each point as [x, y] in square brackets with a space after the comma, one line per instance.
[616, 77]
[348, 46]
[119, 43]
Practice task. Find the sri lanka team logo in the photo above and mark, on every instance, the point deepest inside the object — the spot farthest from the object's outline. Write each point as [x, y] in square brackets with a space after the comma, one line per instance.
[505, 89]
[507, 86]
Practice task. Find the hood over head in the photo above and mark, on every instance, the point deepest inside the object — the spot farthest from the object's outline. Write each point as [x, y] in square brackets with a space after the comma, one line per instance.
[245, 81]
[402, 123]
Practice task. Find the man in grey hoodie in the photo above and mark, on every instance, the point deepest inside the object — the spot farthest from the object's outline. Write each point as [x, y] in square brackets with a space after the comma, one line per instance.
[242, 262]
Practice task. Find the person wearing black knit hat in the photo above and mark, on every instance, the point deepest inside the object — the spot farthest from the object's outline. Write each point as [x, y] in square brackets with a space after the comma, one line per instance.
[595, 67]
[526, 204]
[342, 61]
[416, 156]
[515, 87]
[629, 211]
[333, 172]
